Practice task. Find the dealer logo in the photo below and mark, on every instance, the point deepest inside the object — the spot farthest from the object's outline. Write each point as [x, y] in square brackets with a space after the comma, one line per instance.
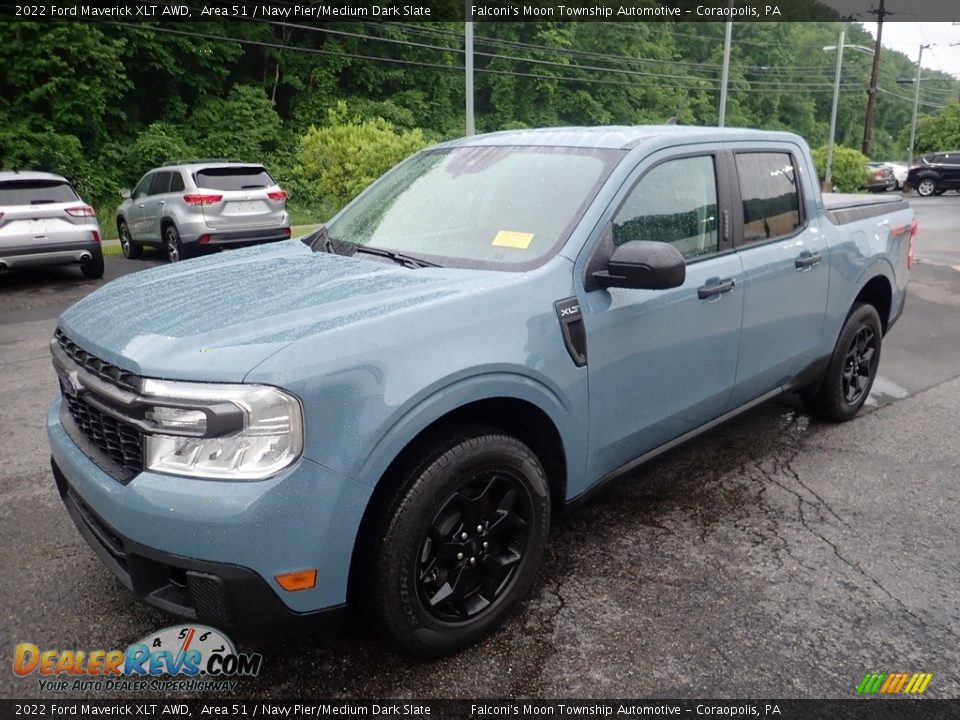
[894, 683]
[180, 651]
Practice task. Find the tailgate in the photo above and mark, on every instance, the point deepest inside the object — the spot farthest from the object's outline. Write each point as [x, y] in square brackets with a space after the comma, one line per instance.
[249, 197]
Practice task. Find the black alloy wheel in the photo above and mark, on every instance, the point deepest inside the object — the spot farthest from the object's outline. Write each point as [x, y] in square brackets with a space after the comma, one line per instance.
[459, 542]
[474, 546]
[858, 365]
[852, 369]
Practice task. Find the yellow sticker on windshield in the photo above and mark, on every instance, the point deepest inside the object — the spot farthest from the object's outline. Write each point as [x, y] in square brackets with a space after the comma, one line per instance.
[508, 238]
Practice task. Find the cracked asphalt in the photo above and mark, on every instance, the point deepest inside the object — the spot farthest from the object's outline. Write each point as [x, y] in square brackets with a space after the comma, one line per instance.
[776, 556]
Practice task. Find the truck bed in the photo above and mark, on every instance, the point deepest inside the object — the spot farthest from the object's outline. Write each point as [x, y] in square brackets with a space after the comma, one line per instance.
[843, 208]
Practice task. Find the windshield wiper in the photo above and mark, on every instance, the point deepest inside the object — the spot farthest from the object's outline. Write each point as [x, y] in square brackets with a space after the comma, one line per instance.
[399, 258]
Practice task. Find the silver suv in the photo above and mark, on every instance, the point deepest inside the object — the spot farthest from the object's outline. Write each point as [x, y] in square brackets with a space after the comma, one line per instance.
[44, 222]
[184, 208]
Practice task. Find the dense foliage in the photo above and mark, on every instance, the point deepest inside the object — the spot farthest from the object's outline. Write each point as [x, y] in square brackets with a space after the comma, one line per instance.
[849, 171]
[328, 106]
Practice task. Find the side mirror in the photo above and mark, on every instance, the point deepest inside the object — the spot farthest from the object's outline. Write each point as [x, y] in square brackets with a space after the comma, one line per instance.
[125, 193]
[643, 265]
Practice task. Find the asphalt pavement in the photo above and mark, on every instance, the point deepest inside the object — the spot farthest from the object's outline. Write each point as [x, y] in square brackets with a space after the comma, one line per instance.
[774, 557]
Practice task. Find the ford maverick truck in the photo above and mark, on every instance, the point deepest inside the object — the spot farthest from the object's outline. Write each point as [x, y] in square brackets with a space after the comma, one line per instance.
[388, 414]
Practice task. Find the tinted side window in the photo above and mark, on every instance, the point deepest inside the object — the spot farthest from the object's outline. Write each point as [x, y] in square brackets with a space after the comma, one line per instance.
[176, 182]
[676, 202]
[160, 184]
[771, 198]
[143, 187]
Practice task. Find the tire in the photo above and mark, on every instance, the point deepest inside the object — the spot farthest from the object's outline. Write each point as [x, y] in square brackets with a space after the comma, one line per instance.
[131, 250]
[852, 369]
[93, 268]
[461, 542]
[926, 187]
[172, 245]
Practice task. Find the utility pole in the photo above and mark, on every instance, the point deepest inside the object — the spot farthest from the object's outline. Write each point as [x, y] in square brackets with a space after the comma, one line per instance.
[726, 72]
[916, 101]
[468, 64]
[872, 90]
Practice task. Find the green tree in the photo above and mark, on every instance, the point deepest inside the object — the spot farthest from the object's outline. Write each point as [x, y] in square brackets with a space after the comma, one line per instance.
[936, 132]
[245, 125]
[849, 168]
[339, 160]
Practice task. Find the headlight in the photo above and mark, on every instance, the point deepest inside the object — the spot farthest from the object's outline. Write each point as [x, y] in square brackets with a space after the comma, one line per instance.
[230, 432]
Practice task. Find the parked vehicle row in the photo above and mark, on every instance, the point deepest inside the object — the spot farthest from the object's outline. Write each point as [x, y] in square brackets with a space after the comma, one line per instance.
[183, 209]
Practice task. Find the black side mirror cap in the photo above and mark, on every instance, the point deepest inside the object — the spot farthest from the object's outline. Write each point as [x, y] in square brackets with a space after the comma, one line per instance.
[643, 265]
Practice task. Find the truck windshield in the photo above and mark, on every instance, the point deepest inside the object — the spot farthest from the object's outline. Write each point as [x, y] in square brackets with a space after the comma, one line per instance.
[495, 207]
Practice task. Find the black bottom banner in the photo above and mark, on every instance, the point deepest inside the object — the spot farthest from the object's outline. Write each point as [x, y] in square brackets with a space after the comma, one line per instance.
[867, 709]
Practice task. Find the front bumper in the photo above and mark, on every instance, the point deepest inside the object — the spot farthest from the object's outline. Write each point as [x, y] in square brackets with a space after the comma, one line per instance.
[210, 550]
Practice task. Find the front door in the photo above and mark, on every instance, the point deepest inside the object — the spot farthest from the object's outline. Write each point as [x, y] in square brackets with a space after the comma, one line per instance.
[663, 362]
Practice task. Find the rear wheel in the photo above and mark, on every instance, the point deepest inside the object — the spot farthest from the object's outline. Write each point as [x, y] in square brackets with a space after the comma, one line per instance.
[852, 369]
[130, 249]
[92, 269]
[172, 245]
[462, 542]
[926, 187]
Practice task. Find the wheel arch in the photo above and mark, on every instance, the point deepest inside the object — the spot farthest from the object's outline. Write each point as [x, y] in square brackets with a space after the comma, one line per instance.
[877, 291]
[516, 416]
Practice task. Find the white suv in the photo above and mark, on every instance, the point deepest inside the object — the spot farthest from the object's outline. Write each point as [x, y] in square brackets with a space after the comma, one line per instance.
[184, 208]
[44, 222]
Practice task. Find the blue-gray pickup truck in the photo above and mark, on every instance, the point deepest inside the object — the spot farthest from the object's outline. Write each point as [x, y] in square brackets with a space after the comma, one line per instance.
[388, 414]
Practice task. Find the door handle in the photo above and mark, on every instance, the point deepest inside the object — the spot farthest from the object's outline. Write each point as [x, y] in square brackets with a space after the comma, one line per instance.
[806, 261]
[140, 205]
[718, 288]
[162, 202]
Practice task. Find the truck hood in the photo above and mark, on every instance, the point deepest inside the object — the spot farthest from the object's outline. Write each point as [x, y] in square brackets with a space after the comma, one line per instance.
[217, 318]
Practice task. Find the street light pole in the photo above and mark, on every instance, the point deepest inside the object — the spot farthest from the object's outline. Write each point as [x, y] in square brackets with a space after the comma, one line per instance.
[468, 66]
[725, 73]
[828, 176]
[916, 102]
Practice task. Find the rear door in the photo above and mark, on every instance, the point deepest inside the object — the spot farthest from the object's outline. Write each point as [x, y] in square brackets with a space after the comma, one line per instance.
[43, 214]
[154, 205]
[785, 269]
[248, 197]
[662, 362]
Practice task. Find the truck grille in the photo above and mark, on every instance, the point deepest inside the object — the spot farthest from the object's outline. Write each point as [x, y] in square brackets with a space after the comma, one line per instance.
[100, 368]
[119, 441]
[116, 446]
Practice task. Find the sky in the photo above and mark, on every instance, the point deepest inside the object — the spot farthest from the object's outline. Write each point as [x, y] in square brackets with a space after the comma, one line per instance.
[908, 36]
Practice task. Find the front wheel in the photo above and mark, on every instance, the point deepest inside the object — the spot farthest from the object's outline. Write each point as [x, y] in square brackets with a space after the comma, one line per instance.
[926, 187]
[462, 542]
[852, 369]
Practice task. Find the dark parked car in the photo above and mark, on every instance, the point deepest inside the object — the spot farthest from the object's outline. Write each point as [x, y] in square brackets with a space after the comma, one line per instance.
[936, 173]
[880, 177]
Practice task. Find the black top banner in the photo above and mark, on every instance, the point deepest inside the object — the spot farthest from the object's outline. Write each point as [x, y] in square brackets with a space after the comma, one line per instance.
[490, 10]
